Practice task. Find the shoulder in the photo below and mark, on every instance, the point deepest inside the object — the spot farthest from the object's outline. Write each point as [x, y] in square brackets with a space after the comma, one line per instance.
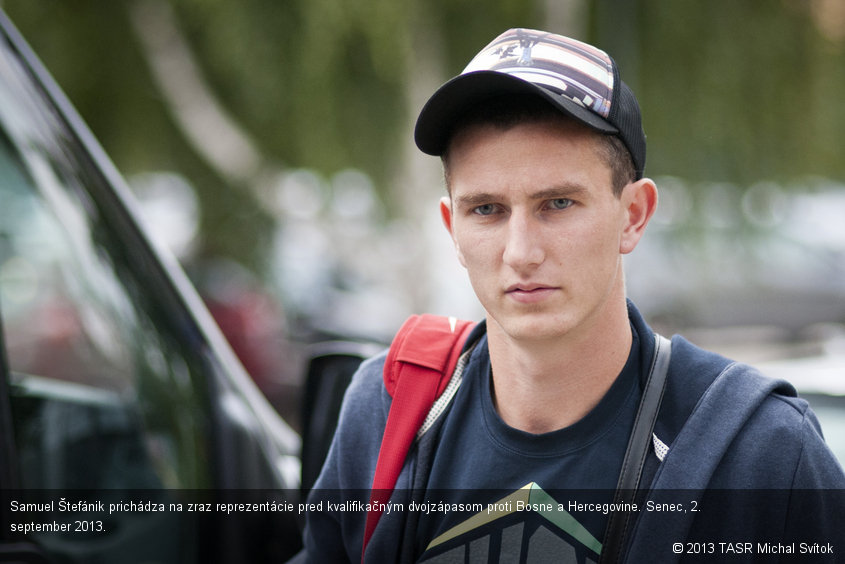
[351, 458]
[699, 378]
[781, 434]
[745, 421]
[780, 446]
[741, 393]
[692, 370]
[367, 385]
[366, 402]
[696, 363]
[717, 392]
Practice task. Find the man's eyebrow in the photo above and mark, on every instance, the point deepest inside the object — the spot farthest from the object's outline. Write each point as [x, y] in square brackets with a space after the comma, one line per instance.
[555, 192]
[563, 191]
[475, 199]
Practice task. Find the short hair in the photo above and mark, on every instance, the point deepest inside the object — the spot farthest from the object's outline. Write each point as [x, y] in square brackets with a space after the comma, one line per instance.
[508, 111]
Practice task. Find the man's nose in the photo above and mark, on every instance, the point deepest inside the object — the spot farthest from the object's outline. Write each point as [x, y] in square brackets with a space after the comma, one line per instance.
[524, 247]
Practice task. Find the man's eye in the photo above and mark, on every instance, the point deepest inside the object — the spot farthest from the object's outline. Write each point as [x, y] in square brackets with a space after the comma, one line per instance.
[560, 203]
[486, 209]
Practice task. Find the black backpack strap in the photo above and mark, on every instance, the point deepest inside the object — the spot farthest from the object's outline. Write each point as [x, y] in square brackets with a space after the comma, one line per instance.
[638, 445]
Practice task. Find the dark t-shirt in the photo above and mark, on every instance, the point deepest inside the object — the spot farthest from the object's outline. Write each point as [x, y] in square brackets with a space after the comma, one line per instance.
[501, 493]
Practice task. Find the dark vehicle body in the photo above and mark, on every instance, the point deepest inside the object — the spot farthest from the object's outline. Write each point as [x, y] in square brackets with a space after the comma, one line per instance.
[121, 404]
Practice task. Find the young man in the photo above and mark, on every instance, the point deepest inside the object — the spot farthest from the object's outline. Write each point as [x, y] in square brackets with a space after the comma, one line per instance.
[544, 153]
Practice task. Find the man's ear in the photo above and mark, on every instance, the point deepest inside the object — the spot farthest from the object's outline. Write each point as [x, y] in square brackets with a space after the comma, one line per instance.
[640, 202]
[446, 215]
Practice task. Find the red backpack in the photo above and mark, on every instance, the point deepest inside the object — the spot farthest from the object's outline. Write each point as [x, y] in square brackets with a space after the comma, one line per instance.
[417, 370]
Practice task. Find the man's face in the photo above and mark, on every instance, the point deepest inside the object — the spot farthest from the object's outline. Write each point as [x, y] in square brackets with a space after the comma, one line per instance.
[536, 224]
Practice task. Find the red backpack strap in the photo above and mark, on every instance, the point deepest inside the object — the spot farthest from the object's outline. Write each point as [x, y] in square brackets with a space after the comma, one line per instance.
[418, 368]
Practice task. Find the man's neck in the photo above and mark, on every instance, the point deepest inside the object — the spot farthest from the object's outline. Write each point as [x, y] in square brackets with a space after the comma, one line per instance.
[542, 386]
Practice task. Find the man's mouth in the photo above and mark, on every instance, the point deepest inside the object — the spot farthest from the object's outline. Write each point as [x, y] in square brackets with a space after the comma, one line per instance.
[530, 293]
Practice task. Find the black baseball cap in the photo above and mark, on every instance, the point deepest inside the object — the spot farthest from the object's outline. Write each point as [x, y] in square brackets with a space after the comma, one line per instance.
[580, 80]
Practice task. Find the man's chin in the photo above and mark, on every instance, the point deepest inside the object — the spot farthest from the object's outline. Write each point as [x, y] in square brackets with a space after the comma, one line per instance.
[531, 327]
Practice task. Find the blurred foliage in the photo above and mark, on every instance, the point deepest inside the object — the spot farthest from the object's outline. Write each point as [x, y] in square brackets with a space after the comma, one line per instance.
[741, 91]
[317, 83]
[731, 91]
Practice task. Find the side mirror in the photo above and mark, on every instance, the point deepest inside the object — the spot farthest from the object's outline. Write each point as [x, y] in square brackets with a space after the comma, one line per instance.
[329, 371]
